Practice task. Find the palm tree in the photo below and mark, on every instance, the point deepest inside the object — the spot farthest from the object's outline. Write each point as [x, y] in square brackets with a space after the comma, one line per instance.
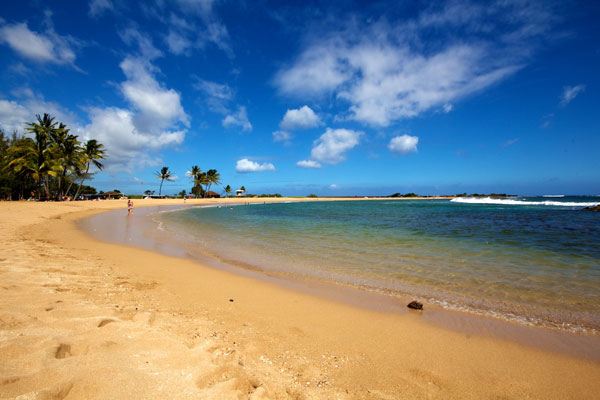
[227, 190]
[36, 156]
[51, 158]
[66, 150]
[23, 161]
[164, 175]
[212, 178]
[93, 152]
[195, 174]
[44, 165]
[203, 181]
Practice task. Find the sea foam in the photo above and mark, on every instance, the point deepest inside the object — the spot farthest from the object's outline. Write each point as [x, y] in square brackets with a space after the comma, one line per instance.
[513, 202]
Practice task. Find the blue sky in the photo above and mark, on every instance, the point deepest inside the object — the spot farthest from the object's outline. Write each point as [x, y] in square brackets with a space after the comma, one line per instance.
[313, 97]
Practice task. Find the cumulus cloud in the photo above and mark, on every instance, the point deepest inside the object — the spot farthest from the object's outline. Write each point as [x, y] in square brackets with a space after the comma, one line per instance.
[308, 164]
[155, 120]
[245, 165]
[385, 73]
[318, 70]
[127, 146]
[47, 47]
[239, 119]
[157, 106]
[132, 136]
[403, 144]
[331, 147]
[300, 118]
[569, 94]
[15, 114]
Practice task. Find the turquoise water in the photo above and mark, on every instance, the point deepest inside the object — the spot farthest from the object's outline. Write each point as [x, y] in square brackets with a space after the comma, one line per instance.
[533, 260]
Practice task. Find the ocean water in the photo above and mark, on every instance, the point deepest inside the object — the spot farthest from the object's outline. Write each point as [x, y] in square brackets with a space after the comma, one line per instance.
[530, 260]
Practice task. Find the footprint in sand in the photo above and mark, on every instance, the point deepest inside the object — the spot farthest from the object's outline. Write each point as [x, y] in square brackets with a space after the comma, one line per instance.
[63, 351]
[105, 322]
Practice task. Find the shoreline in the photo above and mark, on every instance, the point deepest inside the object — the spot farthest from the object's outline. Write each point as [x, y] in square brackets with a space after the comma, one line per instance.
[141, 232]
[156, 326]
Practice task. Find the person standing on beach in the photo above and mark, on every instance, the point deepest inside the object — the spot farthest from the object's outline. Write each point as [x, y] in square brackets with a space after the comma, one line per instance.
[129, 207]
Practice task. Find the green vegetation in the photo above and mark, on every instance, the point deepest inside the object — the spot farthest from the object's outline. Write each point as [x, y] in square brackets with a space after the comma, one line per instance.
[47, 163]
[203, 180]
[404, 195]
[312, 195]
[264, 195]
[164, 175]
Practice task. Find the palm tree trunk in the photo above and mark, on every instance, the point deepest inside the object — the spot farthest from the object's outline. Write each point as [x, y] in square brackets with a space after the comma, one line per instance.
[160, 188]
[69, 188]
[61, 182]
[82, 180]
[47, 188]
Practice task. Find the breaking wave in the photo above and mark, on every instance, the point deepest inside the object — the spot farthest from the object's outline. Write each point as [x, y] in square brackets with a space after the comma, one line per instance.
[514, 202]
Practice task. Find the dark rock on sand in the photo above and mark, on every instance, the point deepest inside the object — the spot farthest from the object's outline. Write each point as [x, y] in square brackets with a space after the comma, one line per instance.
[415, 305]
[593, 208]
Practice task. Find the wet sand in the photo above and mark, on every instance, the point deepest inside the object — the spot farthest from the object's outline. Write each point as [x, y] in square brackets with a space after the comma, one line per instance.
[80, 318]
[143, 231]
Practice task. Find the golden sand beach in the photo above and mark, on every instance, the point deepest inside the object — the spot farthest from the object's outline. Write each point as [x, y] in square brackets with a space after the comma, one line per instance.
[84, 319]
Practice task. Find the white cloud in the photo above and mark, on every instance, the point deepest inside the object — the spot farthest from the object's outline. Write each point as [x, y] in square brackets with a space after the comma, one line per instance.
[282, 136]
[133, 136]
[99, 7]
[318, 70]
[244, 165]
[47, 47]
[240, 119]
[333, 186]
[403, 144]
[216, 95]
[447, 108]
[300, 118]
[14, 115]
[155, 120]
[127, 146]
[146, 49]
[308, 164]
[570, 92]
[177, 43]
[193, 24]
[332, 146]
[385, 73]
[157, 107]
